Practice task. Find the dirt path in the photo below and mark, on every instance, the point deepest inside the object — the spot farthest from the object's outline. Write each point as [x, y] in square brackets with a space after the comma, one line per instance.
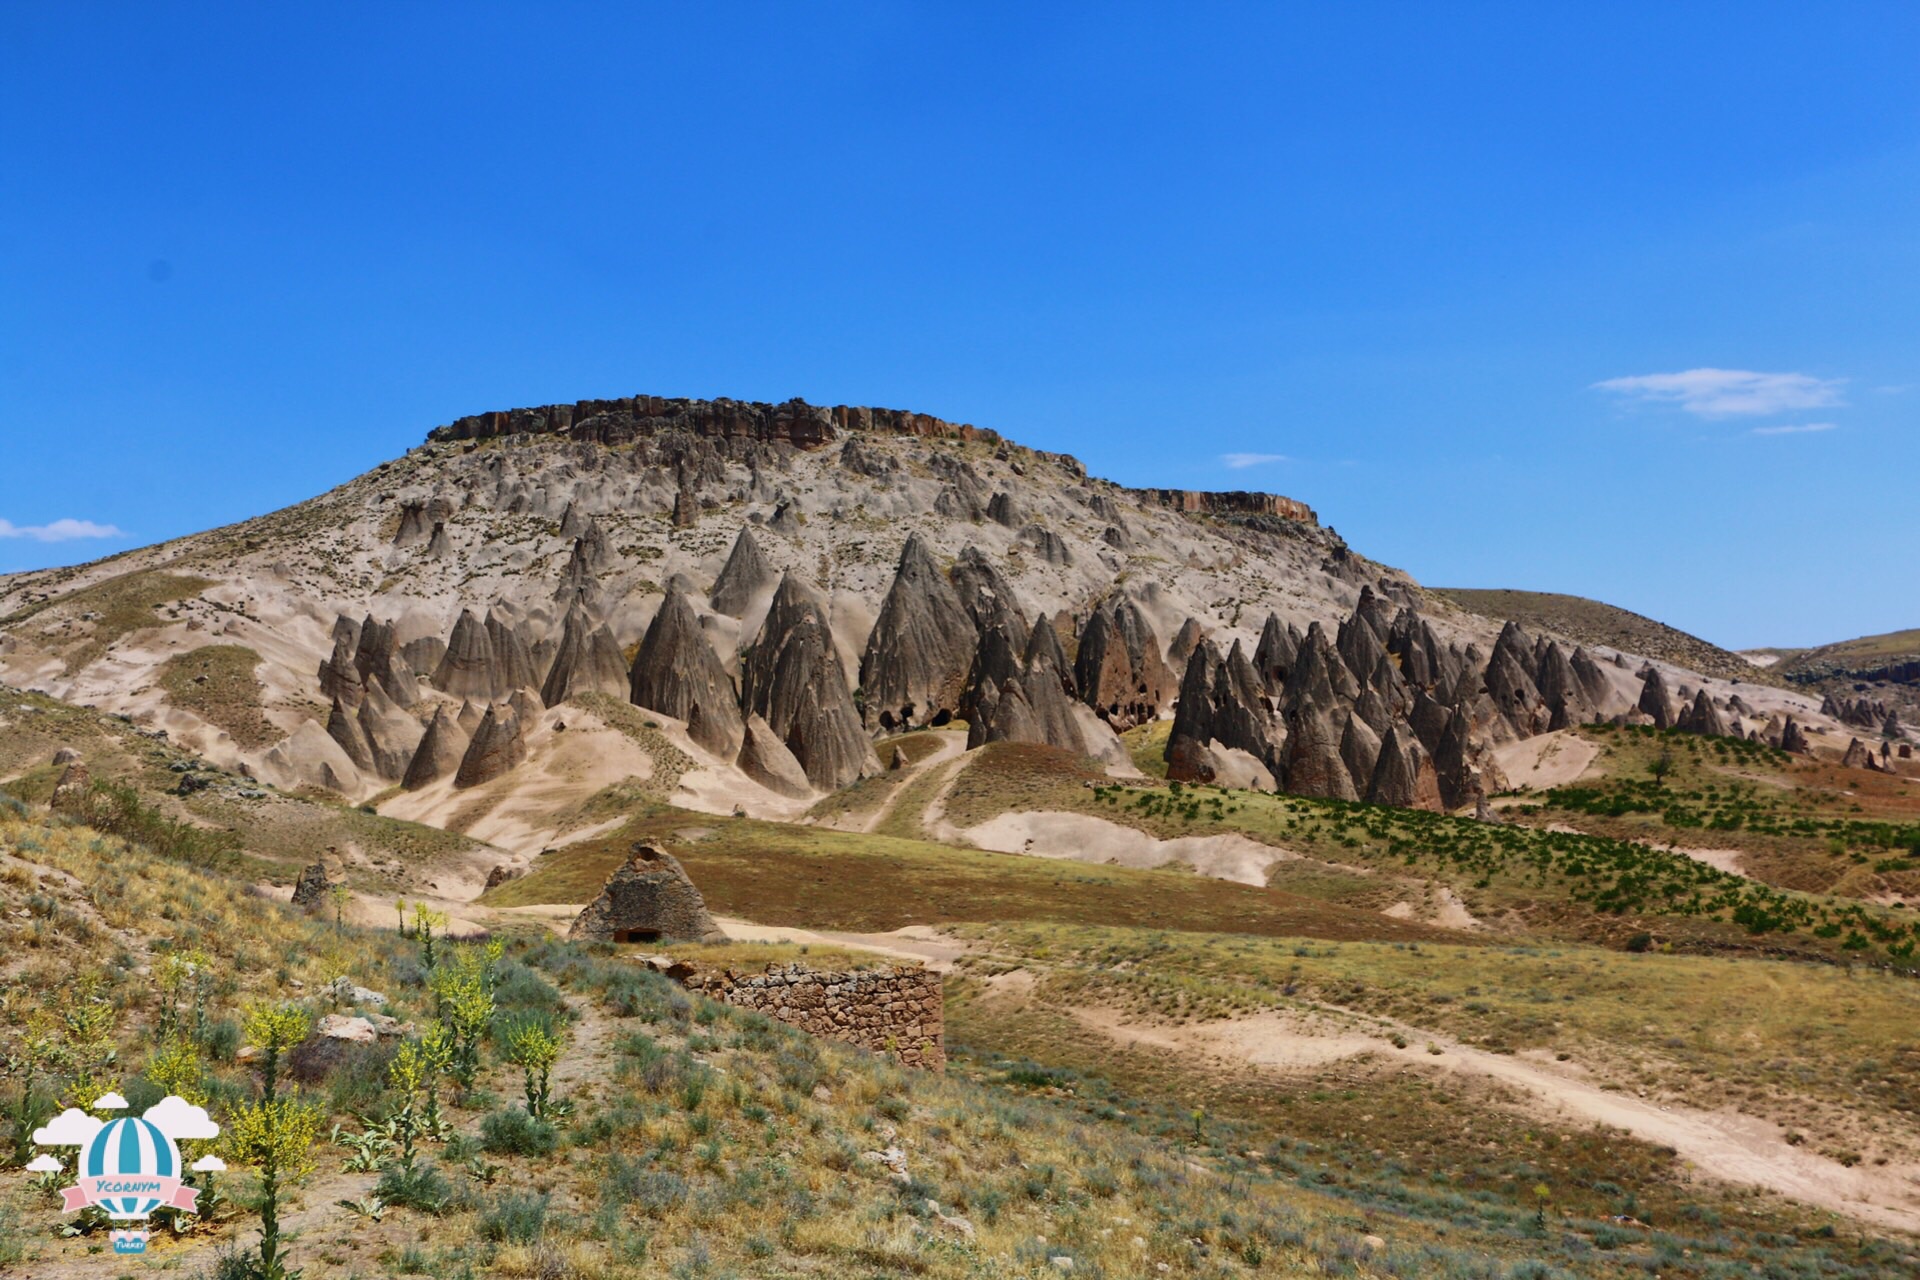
[919, 943]
[1725, 1145]
[952, 746]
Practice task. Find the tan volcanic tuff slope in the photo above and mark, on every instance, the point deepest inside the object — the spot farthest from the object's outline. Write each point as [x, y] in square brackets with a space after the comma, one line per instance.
[594, 509]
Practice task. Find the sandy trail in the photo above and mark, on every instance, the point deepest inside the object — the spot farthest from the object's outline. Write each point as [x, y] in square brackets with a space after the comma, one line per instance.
[1550, 760]
[952, 746]
[1724, 1145]
[1082, 838]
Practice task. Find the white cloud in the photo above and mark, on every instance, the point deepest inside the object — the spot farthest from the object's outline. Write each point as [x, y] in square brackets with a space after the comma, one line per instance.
[1800, 429]
[59, 530]
[1728, 393]
[1240, 461]
[180, 1119]
[71, 1128]
[109, 1102]
[44, 1164]
[209, 1164]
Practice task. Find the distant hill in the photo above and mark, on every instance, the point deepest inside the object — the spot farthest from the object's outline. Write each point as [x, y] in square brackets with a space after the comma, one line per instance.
[1892, 658]
[1592, 622]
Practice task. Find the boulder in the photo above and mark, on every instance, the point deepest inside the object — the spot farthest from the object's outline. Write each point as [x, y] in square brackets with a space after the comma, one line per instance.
[914, 671]
[677, 673]
[310, 890]
[650, 898]
[765, 759]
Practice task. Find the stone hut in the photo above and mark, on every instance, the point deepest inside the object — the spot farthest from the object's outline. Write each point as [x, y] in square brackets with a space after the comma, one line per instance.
[650, 898]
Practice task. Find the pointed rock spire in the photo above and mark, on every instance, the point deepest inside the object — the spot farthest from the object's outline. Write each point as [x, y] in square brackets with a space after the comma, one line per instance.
[439, 752]
[915, 666]
[589, 661]
[677, 673]
[793, 678]
[743, 578]
[499, 746]
[466, 671]
[1654, 700]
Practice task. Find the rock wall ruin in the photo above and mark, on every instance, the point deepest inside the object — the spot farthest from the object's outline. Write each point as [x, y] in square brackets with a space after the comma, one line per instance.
[895, 1009]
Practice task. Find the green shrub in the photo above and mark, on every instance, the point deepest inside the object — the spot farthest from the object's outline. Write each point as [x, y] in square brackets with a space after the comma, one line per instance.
[514, 1219]
[423, 1188]
[515, 1133]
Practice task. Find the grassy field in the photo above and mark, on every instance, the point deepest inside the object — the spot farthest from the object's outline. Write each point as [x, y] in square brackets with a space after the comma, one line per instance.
[699, 1140]
[1836, 1050]
[216, 683]
[812, 877]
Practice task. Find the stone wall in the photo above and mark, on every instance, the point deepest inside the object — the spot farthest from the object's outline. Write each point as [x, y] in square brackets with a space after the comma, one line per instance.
[896, 1009]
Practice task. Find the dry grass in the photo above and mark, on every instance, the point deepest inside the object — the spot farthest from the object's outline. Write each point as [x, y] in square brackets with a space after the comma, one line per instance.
[812, 877]
[216, 683]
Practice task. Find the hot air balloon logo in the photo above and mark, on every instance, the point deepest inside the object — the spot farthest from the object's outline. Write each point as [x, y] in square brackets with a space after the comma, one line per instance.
[131, 1166]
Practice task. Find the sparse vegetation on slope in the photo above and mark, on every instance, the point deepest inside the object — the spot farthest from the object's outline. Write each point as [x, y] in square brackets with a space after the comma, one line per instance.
[216, 683]
[1591, 622]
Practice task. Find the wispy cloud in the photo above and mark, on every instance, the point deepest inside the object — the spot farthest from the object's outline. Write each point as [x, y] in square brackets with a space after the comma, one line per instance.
[1799, 429]
[1729, 393]
[59, 530]
[1238, 461]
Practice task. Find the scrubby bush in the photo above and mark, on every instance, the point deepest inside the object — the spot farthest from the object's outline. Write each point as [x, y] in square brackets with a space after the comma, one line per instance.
[513, 1132]
[514, 1219]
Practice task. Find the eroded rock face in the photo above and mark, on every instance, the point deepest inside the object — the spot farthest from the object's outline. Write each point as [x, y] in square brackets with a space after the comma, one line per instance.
[1314, 766]
[792, 677]
[1703, 717]
[439, 753]
[1793, 738]
[391, 735]
[1120, 669]
[499, 746]
[987, 597]
[914, 671]
[743, 579]
[677, 673]
[1654, 700]
[589, 661]
[649, 899]
[467, 668]
[1015, 699]
[310, 890]
[1222, 703]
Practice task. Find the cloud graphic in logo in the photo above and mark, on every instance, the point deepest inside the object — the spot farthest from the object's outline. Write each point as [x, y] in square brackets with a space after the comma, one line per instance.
[71, 1128]
[44, 1164]
[109, 1102]
[209, 1164]
[180, 1119]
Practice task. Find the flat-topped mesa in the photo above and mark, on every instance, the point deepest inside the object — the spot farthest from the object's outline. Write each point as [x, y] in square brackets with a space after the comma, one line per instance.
[805, 426]
[1234, 502]
[794, 422]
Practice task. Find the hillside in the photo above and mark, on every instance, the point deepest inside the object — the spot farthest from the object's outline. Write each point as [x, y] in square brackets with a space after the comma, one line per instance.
[1596, 623]
[1286, 918]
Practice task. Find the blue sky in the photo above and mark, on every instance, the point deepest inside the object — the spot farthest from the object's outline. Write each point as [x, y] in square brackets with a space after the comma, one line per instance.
[1619, 301]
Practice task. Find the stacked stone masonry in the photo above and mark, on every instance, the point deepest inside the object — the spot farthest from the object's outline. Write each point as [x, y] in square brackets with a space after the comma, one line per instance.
[896, 1009]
